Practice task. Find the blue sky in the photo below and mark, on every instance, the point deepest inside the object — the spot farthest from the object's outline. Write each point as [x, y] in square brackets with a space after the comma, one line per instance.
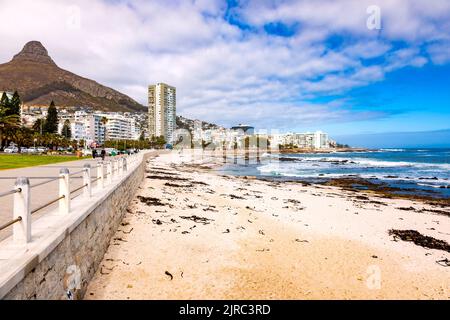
[288, 65]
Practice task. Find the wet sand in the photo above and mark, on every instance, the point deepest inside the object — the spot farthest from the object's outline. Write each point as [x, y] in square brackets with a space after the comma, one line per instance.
[191, 233]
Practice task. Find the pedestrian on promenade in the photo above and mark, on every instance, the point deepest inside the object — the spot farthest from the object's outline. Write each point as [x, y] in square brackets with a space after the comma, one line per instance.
[94, 153]
[103, 153]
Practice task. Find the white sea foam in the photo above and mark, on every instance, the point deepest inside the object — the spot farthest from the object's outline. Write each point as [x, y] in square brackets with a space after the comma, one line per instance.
[393, 150]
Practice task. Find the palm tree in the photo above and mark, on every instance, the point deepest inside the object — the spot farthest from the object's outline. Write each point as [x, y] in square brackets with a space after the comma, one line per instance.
[7, 122]
[104, 121]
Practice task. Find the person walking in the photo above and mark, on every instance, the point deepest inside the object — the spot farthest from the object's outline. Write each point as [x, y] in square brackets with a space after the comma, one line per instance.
[103, 154]
[94, 153]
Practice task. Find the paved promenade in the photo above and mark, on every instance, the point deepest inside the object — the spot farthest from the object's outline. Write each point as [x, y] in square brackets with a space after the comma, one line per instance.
[41, 194]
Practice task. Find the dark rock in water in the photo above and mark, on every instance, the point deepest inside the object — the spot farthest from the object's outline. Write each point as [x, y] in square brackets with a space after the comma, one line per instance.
[391, 177]
[289, 159]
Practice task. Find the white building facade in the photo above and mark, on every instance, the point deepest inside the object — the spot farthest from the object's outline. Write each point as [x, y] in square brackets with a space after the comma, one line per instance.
[308, 140]
[162, 101]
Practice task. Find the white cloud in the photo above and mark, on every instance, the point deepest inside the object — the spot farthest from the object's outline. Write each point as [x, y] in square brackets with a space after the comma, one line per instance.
[224, 73]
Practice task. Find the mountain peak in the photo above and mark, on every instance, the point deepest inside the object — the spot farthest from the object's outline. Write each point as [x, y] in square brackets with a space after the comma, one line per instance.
[34, 51]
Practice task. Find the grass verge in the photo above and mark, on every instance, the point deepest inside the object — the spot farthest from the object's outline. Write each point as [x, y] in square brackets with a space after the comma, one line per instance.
[14, 161]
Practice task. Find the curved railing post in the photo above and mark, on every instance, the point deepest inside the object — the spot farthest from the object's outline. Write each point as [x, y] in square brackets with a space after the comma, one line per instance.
[22, 229]
[113, 169]
[87, 191]
[100, 175]
[64, 191]
[109, 172]
[120, 166]
[124, 163]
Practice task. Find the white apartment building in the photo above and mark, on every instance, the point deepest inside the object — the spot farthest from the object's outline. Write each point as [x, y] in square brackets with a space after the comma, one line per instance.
[120, 127]
[88, 127]
[310, 140]
[162, 111]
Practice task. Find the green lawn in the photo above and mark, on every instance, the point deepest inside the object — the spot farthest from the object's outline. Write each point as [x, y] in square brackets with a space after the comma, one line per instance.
[13, 161]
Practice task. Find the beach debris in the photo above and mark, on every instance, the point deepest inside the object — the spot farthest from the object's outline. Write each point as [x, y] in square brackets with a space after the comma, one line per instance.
[226, 231]
[126, 232]
[211, 208]
[375, 257]
[162, 172]
[301, 241]
[235, 197]
[185, 232]
[169, 274]
[261, 232]
[444, 262]
[293, 201]
[192, 206]
[120, 239]
[197, 219]
[201, 183]
[123, 224]
[157, 221]
[150, 201]
[106, 268]
[424, 210]
[419, 239]
[262, 250]
[168, 178]
[174, 185]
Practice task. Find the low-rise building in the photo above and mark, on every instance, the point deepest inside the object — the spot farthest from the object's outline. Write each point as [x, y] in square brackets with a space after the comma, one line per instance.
[308, 140]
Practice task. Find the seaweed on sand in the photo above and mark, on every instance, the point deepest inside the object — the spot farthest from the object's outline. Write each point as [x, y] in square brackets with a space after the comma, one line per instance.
[150, 201]
[169, 178]
[197, 219]
[419, 239]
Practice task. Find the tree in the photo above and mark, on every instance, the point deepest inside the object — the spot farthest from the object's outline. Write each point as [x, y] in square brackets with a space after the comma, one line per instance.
[22, 137]
[4, 101]
[38, 126]
[51, 123]
[142, 136]
[8, 119]
[104, 121]
[15, 104]
[160, 141]
[66, 132]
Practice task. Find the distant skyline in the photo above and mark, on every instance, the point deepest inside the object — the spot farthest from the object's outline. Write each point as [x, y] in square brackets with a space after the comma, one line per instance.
[286, 65]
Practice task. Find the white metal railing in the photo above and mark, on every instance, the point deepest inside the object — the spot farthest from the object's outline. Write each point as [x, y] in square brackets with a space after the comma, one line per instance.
[21, 192]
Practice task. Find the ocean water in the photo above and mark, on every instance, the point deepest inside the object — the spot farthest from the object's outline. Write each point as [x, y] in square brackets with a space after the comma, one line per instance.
[424, 171]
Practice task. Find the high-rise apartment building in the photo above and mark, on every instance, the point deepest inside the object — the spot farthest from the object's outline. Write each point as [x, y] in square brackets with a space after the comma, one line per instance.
[162, 101]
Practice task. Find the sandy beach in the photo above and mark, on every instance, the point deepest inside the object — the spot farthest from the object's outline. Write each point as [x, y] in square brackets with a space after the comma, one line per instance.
[192, 233]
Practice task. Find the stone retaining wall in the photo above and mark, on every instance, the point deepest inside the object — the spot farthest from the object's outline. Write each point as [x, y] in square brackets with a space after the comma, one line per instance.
[66, 271]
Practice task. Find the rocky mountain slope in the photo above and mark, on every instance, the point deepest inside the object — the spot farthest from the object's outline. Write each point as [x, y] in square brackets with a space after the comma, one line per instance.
[38, 79]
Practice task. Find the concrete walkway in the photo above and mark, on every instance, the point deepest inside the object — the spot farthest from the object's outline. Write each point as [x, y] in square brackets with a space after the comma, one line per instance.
[40, 194]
